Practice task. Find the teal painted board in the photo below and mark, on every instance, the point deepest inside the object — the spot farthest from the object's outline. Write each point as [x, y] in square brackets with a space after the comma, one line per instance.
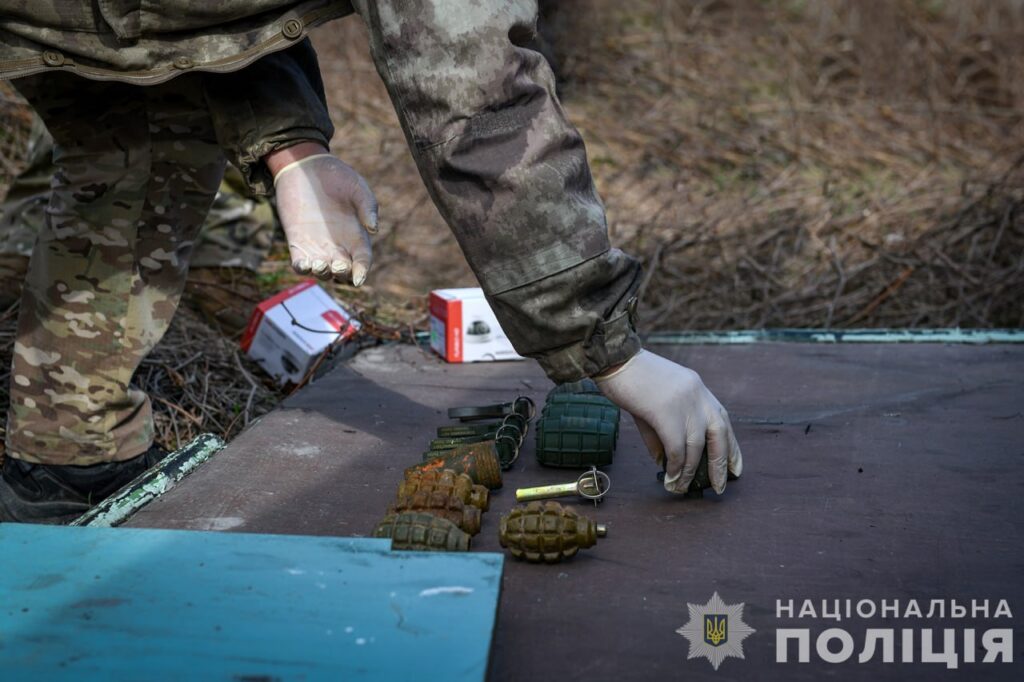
[118, 604]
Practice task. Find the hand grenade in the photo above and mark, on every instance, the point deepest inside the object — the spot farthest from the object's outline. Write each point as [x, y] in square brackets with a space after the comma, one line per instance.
[579, 427]
[466, 517]
[448, 482]
[419, 531]
[575, 441]
[505, 444]
[479, 461]
[602, 409]
[547, 532]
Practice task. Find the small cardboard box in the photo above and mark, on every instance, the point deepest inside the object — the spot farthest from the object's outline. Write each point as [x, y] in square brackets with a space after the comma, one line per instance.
[463, 327]
[289, 331]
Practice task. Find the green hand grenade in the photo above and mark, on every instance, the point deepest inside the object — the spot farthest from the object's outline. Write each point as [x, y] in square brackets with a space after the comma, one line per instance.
[590, 409]
[574, 442]
[547, 532]
[580, 398]
[423, 532]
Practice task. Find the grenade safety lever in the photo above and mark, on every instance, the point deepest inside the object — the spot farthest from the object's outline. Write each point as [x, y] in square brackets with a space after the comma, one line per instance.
[591, 485]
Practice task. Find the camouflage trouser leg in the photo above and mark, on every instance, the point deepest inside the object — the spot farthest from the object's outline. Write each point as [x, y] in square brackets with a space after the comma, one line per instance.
[238, 231]
[509, 174]
[137, 169]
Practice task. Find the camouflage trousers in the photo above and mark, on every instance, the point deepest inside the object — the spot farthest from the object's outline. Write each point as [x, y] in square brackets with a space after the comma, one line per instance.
[137, 171]
[237, 233]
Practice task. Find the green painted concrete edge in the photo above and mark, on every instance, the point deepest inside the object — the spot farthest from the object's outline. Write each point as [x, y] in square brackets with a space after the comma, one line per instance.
[748, 336]
[152, 483]
[959, 336]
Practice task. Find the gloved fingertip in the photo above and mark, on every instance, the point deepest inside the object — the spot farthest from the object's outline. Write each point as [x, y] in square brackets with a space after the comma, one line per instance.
[339, 267]
[358, 274]
[371, 225]
[300, 266]
[678, 484]
[736, 466]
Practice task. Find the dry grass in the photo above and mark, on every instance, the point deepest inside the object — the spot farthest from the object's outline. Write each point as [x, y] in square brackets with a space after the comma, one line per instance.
[834, 163]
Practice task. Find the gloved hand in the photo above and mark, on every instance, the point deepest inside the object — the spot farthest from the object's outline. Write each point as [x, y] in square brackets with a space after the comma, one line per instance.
[677, 416]
[326, 209]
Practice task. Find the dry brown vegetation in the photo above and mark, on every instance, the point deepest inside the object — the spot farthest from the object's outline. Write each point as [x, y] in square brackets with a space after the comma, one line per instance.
[839, 163]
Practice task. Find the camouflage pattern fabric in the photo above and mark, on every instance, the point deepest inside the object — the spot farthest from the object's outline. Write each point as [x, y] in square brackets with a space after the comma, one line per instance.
[509, 174]
[146, 43]
[237, 233]
[137, 171]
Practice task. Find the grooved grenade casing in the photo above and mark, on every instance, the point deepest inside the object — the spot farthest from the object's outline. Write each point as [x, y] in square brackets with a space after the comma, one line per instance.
[576, 441]
[450, 483]
[422, 532]
[602, 410]
[579, 427]
[479, 461]
[584, 386]
[438, 503]
[547, 532]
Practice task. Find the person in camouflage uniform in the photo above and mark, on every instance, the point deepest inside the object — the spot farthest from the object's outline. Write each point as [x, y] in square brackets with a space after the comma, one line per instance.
[234, 240]
[139, 167]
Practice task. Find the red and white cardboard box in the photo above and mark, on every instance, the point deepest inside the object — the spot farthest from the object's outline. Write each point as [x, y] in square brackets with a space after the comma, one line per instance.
[463, 327]
[289, 331]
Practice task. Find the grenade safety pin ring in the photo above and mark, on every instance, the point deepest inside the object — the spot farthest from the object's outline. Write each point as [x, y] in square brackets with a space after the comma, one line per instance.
[593, 485]
[531, 407]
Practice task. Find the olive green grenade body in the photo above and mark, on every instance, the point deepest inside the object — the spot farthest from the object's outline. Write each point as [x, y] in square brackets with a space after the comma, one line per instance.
[577, 430]
[547, 532]
[419, 531]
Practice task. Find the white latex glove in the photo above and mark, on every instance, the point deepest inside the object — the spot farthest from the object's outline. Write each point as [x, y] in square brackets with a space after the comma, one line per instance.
[326, 209]
[677, 416]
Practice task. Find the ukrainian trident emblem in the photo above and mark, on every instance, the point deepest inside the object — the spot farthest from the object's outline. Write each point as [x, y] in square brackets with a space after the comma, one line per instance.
[716, 628]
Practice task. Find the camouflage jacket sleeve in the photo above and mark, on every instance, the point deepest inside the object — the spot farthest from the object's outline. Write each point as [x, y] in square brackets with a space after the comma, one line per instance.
[271, 104]
[510, 175]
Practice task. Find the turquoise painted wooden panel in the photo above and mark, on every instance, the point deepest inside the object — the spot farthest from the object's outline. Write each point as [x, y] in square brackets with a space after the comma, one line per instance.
[139, 604]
